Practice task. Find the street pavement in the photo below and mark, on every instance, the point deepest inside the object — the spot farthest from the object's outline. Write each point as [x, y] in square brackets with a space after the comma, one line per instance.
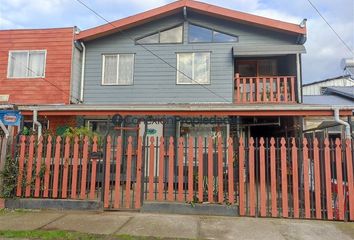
[177, 226]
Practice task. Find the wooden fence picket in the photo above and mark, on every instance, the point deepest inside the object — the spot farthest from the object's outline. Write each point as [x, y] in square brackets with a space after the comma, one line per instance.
[161, 169]
[56, 167]
[210, 170]
[273, 179]
[21, 162]
[262, 177]
[252, 187]
[48, 161]
[93, 170]
[29, 167]
[241, 178]
[190, 168]
[38, 167]
[180, 169]
[66, 162]
[75, 168]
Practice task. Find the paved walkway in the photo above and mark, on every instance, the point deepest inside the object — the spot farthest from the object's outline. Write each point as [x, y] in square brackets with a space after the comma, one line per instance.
[181, 226]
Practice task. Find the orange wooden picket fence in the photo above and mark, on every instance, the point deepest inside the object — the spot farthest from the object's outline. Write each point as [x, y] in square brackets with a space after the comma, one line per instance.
[267, 177]
[267, 89]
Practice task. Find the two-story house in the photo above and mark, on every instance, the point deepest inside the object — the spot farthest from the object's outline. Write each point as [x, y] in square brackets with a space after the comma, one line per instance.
[190, 60]
[39, 67]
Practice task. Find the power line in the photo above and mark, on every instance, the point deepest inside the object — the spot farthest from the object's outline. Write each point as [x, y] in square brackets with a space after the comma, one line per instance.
[29, 69]
[329, 25]
[150, 51]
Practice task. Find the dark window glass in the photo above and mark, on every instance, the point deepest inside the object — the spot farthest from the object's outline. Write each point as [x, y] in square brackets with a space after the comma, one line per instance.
[200, 34]
[222, 37]
[149, 39]
[173, 35]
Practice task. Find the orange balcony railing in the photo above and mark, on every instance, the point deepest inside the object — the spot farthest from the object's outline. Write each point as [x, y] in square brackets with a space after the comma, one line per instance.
[270, 89]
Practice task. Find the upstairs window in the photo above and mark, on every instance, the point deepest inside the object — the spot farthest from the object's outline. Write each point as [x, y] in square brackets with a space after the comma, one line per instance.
[26, 64]
[173, 35]
[193, 68]
[257, 68]
[198, 34]
[117, 69]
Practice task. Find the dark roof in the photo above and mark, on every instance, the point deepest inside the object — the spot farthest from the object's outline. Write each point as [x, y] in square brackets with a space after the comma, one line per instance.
[347, 92]
[329, 79]
[327, 100]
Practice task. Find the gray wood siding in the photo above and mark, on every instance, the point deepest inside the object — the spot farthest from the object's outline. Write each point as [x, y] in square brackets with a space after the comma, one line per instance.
[76, 75]
[154, 80]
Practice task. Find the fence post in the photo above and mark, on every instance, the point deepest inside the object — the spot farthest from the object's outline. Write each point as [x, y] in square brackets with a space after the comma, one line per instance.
[138, 174]
[273, 179]
[252, 177]
[241, 178]
[284, 185]
[295, 178]
[117, 178]
[262, 177]
[107, 172]
[180, 168]
[56, 167]
[21, 166]
[317, 179]
[231, 171]
[220, 171]
[64, 188]
[349, 158]
[171, 154]
[128, 172]
[75, 168]
[161, 168]
[93, 170]
[210, 170]
[306, 179]
[29, 167]
[48, 159]
[84, 168]
[38, 166]
[339, 179]
[190, 168]
[328, 180]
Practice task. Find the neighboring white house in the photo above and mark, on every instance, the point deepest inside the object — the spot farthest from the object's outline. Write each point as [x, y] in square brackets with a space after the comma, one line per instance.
[317, 88]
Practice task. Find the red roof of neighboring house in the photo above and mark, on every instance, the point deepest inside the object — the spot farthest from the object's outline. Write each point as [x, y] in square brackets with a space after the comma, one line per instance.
[174, 7]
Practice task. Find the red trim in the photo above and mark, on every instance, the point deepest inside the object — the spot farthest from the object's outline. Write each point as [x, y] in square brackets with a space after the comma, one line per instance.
[205, 8]
[194, 113]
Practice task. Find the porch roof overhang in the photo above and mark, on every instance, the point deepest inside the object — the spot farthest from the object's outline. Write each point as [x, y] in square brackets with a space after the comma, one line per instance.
[267, 50]
[188, 110]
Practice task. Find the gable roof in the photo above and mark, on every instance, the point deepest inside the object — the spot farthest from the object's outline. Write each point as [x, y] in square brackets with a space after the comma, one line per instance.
[342, 91]
[333, 100]
[346, 77]
[204, 8]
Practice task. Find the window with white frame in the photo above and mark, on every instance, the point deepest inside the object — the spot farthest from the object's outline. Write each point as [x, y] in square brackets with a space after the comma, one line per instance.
[193, 68]
[26, 64]
[118, 69]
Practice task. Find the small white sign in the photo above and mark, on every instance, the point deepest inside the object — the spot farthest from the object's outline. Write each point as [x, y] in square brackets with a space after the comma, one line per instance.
[4, 98]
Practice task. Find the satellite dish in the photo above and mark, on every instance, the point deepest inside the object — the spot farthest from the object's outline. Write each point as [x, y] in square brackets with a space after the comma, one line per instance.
[347, 64]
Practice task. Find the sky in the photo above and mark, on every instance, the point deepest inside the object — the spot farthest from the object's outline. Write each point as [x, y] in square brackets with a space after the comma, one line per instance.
[324, 49]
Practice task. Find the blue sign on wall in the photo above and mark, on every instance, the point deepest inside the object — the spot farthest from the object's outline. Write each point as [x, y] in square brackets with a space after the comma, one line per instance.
[10, 117]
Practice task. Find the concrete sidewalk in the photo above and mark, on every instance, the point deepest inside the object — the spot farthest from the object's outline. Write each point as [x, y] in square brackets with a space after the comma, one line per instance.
[173, 226]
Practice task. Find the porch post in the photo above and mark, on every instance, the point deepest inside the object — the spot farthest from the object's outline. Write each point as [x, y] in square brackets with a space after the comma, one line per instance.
[299, 77]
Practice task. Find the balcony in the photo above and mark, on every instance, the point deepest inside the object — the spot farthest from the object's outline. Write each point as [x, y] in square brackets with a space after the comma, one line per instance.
[270, 89]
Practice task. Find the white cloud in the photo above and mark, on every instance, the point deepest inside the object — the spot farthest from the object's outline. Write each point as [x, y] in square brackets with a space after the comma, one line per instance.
[7, 24]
